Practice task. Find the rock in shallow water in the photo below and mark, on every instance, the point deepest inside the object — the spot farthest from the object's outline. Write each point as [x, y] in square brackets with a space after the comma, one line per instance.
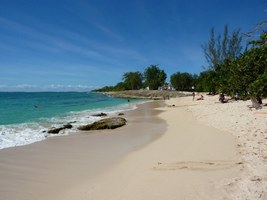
[109, 123]
[67, 126]
[56, 130]
[100, 115]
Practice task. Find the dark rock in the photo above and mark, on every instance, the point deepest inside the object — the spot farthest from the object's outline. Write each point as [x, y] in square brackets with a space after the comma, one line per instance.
[55, 130]
[100, 115]
[120, 114]
[67, 126]
[109, 123]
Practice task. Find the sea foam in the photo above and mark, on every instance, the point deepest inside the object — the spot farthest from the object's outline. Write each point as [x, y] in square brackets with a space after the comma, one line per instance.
[27, 133]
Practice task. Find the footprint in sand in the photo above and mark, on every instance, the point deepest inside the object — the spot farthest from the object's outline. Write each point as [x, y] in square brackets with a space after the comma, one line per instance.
[202, 165]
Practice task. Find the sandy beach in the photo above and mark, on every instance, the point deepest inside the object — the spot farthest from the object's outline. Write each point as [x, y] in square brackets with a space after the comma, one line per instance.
[44, 169]
[249, 126]
[193, 150]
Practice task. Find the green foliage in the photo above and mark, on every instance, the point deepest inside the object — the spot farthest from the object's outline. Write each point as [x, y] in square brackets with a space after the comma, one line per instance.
[133, 80]
[261, 42]
[247, 68]
[229, 72]
[104, 89]
[207, 81]
[258, 88]
[121, 86]
[244, 75]
[182, 81]
[154, 77]
[221, 48]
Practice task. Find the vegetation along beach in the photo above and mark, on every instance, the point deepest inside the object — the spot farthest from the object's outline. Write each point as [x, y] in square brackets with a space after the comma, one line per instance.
[133, 100]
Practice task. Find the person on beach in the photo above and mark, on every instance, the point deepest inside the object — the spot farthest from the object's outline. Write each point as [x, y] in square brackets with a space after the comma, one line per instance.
[222, 98]
[200, 98]
[193, 96]
[237, 97]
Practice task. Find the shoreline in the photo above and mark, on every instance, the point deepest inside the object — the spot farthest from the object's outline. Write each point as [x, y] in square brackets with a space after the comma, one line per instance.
[34, 171]
[190, 161]
[192, 150]
[147, 94]
[21, 134]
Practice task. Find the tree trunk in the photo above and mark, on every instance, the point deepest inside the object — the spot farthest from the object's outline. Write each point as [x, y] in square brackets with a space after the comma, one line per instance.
[255, 103]
[259, 100]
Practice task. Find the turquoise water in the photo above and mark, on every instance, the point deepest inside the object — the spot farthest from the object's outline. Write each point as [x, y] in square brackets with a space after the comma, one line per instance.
[30, 107]
[26, 117]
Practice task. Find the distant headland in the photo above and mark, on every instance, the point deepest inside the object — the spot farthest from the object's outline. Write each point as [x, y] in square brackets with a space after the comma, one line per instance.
[148, 94]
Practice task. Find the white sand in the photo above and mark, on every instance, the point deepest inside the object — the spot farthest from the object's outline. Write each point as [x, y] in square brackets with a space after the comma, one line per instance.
[250, 127]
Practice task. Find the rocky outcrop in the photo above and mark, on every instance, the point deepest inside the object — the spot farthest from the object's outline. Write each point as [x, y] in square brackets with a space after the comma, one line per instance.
[67, 126]
[57, 130]
[148, 94]
[100, 115]
[108, 123]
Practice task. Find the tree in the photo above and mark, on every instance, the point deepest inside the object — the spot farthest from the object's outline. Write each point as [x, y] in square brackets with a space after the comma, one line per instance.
[154, 77]
[249, 69]
[246, 74]
[121, 86]
[207, 82]
[133, 80]
[182, 81]
[221, 48]
[258, 88]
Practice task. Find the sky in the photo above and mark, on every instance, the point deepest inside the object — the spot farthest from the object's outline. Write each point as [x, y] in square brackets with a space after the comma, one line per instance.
[80, 45]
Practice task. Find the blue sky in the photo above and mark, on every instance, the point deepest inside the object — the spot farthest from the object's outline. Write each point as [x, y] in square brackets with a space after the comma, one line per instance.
[80, 45]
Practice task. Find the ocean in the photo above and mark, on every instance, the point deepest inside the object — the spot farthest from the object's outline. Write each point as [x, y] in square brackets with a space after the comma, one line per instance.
[25, 117]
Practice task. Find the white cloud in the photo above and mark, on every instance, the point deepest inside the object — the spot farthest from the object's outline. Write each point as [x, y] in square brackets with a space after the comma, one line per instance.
[73, 42]
[26, 86]
[60, 87]
[50, 87]
[108, 32]
[47, 42]
[109, 52]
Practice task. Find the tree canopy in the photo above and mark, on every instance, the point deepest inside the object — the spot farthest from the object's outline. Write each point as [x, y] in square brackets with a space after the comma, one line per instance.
[133, 80]
[182, 81]
[154, 77]
[245, 74]
[220, 48]
[230, 71]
